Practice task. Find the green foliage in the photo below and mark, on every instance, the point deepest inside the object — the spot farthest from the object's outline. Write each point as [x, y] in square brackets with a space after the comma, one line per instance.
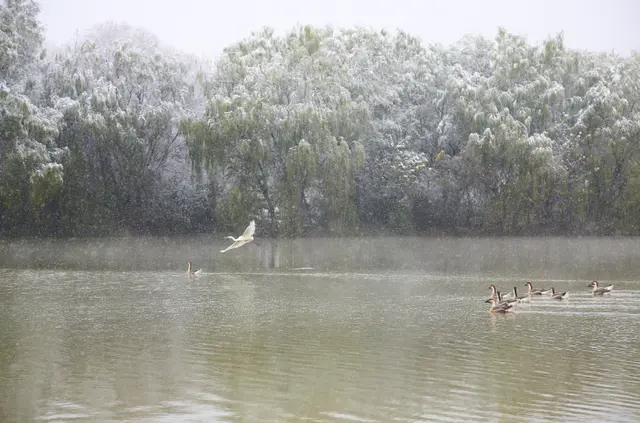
[300, 169]
[278, 103]
[236, 210]
[20, 39]
[14, 193]
[45, 186]
[339, 188]
[30, 169]
[401, 219]
[122, 106]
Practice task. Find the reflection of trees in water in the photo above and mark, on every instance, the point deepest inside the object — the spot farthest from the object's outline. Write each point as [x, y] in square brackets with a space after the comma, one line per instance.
[270, 255]
[285, 254]
[11, 329]
[571, 258]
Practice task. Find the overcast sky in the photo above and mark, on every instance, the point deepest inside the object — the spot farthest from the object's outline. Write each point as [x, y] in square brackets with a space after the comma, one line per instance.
[206, 27]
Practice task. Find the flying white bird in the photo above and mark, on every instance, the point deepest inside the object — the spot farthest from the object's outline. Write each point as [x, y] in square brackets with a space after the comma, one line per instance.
[247, 236]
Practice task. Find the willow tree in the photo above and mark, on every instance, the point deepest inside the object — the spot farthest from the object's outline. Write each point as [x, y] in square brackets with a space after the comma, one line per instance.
[276, 104]
[122, 96]
[340, 171]
[300, 168]
[30, 171]
[517, 174]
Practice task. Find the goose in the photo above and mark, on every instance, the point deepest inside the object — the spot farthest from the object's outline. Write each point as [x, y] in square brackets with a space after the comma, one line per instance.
[600, 291]
[509, 302]
[536, 291]
[508, 295]
[493, 289]
[497, 296]
[500, 308]
[560, 296]
[190, 271]
[520, 298]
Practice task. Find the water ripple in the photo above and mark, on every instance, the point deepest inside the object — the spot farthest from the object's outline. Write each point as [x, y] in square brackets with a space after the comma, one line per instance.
[313, 346]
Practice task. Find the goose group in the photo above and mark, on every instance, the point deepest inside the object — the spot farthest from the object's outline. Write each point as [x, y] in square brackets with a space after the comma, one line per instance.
[508, 302]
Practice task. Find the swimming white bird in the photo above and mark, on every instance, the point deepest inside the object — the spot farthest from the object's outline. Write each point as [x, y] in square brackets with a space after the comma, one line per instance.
[247, 236]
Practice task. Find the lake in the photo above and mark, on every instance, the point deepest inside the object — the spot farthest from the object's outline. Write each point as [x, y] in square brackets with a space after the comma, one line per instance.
[317, 330]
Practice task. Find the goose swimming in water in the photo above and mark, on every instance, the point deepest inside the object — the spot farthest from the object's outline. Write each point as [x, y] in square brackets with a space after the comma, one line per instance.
[499, 298]
[499, 308]
[559, 296]
[508, 295]
[600, 291]
[190, 271]
[520, 298]
[502, 301]
[493, 289]
[536, 291]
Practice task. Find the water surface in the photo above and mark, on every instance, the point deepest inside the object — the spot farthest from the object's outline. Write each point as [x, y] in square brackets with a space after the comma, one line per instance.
[382, 330]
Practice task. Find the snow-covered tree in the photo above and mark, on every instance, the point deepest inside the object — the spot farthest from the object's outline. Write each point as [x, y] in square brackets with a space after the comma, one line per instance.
[318, 130]
[31, 175]
[274, 98]
[123, 97]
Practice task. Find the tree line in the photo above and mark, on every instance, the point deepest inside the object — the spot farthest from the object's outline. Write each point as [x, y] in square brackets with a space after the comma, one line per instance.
[319, 131]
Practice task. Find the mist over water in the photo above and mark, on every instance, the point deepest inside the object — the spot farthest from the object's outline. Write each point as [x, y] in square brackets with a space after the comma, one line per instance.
[536, 257]
[324, 330]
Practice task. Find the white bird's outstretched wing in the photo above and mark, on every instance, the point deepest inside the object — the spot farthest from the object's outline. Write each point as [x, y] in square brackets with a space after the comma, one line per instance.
[247, 236]
[238, 243]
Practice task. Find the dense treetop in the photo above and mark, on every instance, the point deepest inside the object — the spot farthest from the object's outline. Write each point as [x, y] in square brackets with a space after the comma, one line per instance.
[318, 131]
